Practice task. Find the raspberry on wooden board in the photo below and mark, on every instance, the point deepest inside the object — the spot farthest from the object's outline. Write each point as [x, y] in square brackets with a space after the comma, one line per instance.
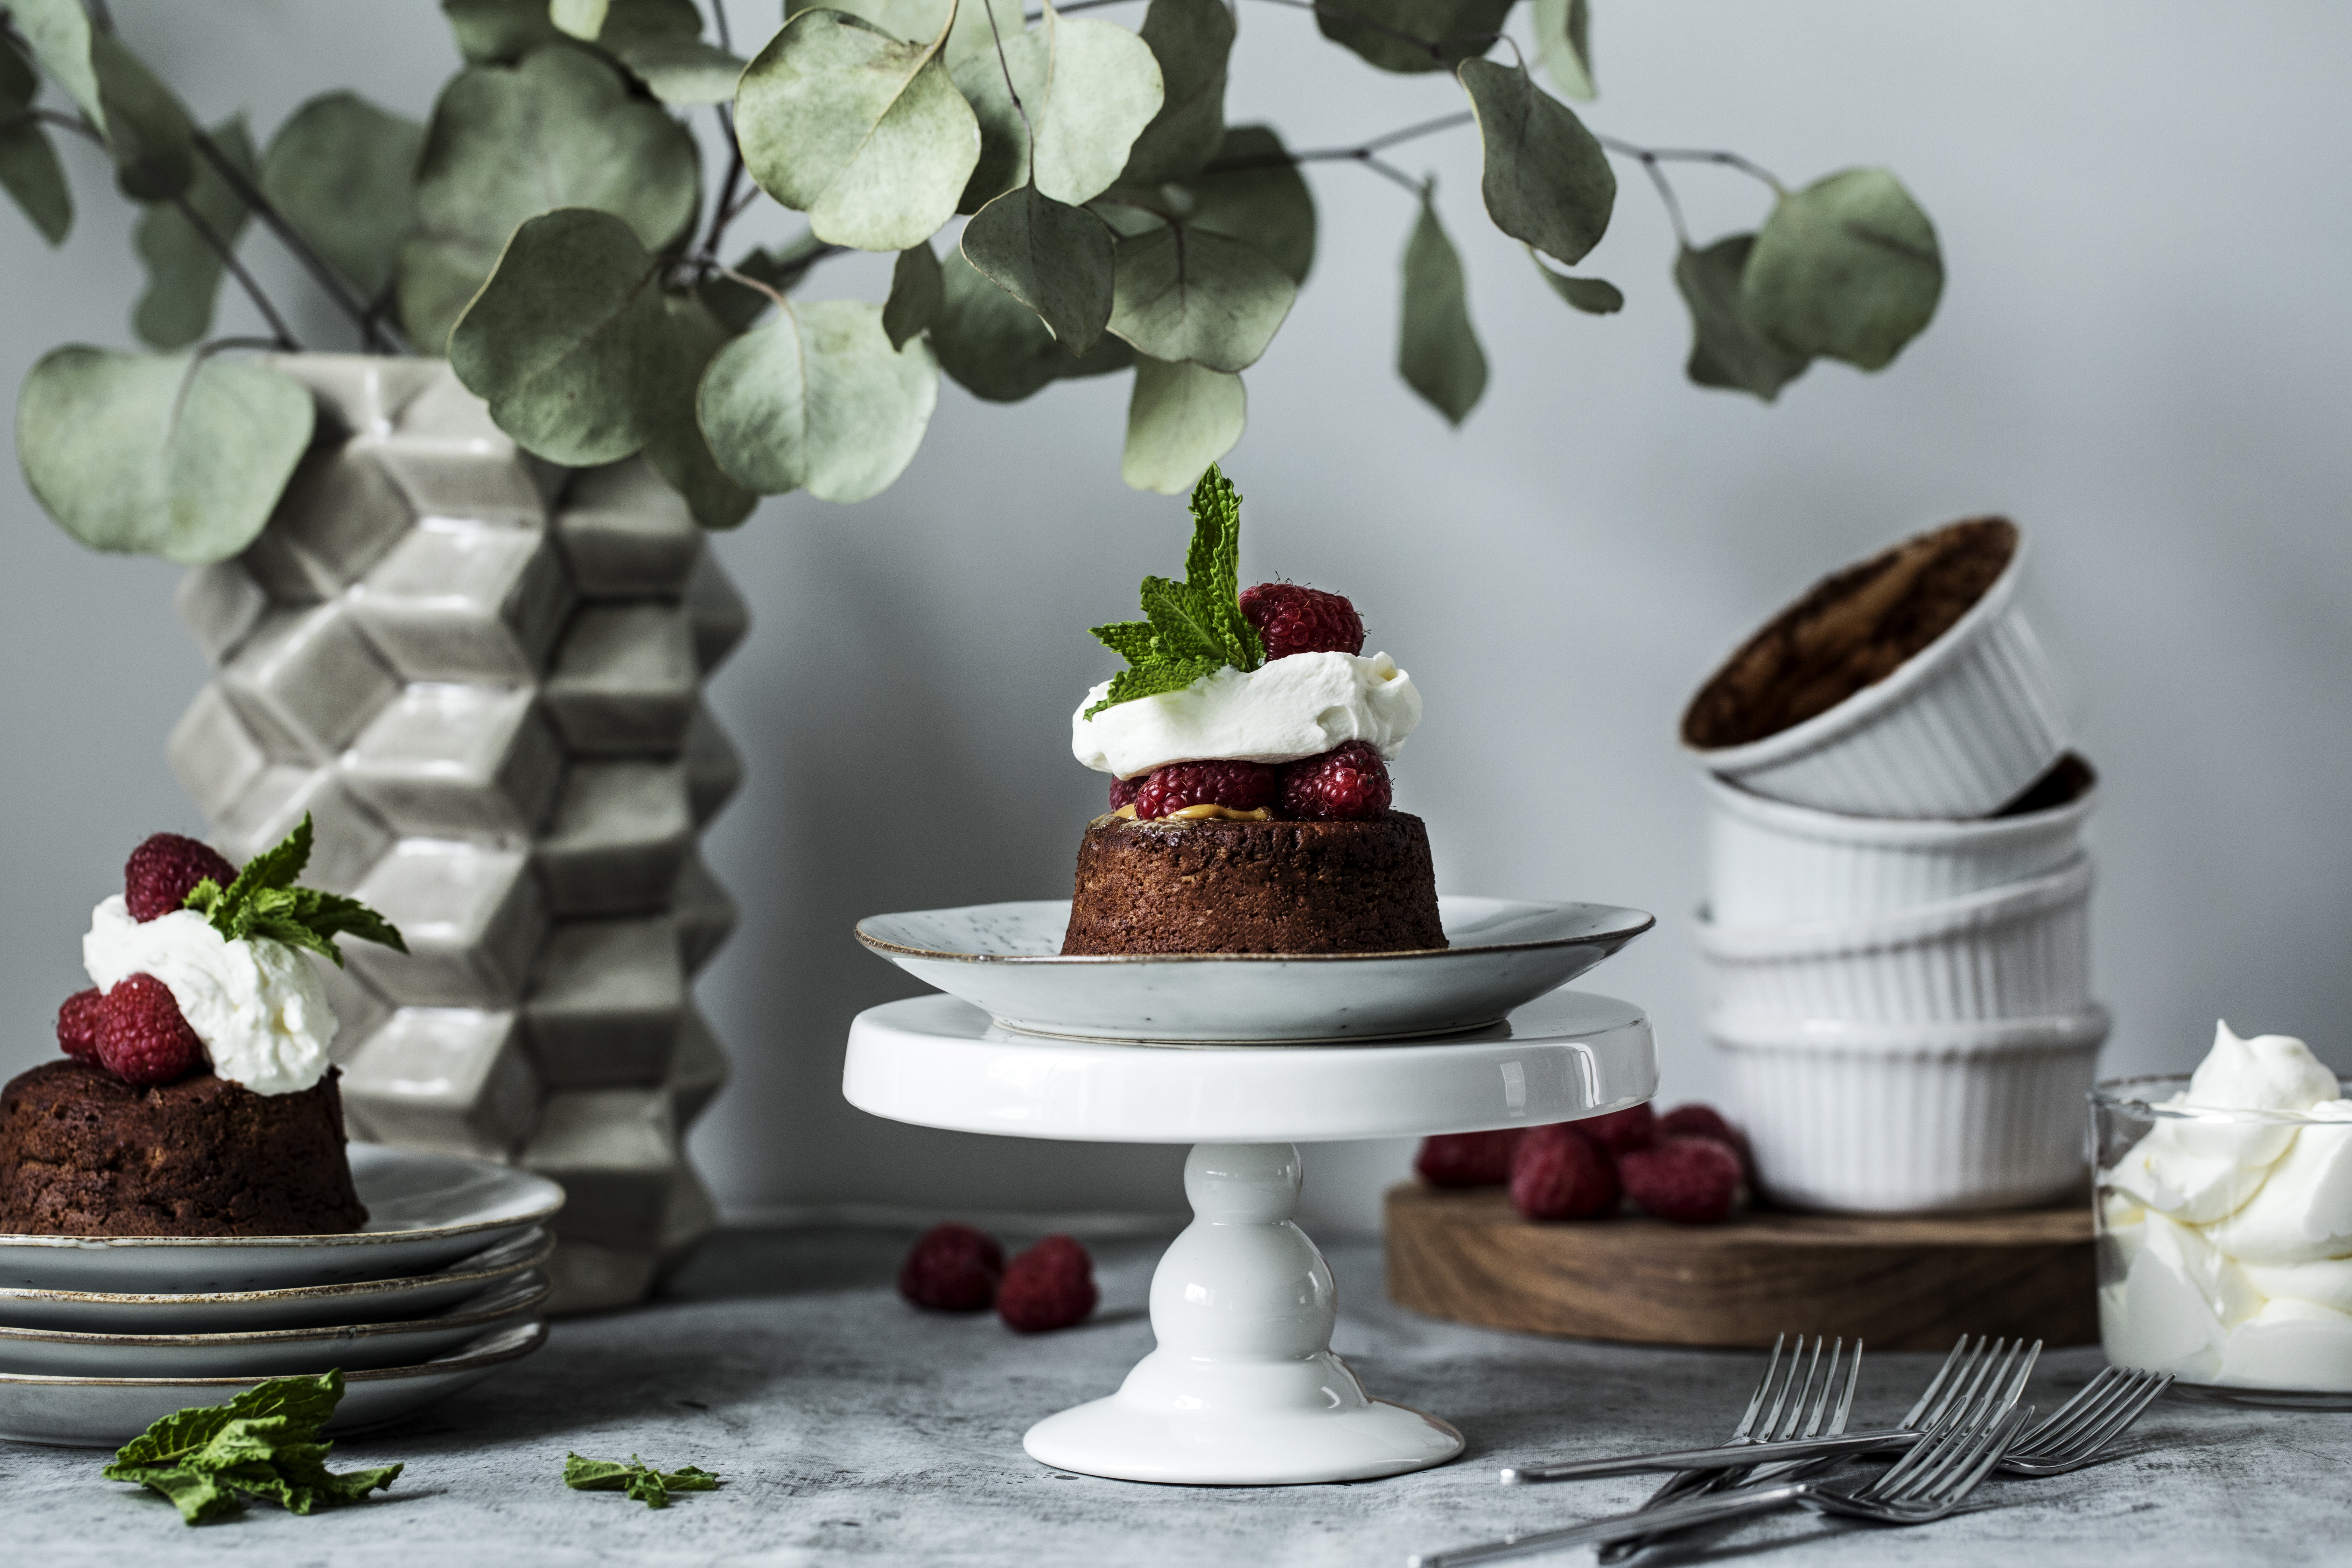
[141, 1038]
[1696, 1120]
[1690, 1181]
[1622, 1130]
[1467, 1159]
[163, 870]
[1291, 618]
[1556, 1172]
[1347, 783]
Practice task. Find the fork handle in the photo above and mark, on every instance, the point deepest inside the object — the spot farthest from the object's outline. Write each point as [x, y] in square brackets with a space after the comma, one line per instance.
[1623, 1527]
[1723, 1458]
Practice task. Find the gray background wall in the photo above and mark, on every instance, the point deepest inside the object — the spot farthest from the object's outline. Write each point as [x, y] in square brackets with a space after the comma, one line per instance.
[2141, 356]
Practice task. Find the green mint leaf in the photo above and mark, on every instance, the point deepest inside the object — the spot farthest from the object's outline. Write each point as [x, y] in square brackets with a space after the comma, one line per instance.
[1151, 679]
[647, 1488]
[1212, 566]
[1195, 627]
[264, 903]
[264, 1443]
[1131, 640]
[279, 866]
[1183, 624]
[637, 1478]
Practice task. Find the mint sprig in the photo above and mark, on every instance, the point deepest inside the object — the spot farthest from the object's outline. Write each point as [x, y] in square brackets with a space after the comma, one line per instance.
[264, 1443]
[1194, 627]
[264, 901]
[640, 1480]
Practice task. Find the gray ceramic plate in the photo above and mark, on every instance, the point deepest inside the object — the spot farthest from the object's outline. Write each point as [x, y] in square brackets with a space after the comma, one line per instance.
[299, 1307]
[1006, 959]
[107, 1412]
[425, 1211]
[270, 1353]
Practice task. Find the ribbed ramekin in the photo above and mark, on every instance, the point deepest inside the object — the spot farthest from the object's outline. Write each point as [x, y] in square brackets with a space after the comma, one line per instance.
[1769, 863]
[1884, 1118]
[2017, 951]
[1960, 730]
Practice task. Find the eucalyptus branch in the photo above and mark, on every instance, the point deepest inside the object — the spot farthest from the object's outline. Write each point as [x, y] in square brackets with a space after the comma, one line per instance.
[1028, 131]
[74, 123]
[726, 37]
[749, 282]
[371, 331]
[726, 209]
[1653, 156]
[227, 255]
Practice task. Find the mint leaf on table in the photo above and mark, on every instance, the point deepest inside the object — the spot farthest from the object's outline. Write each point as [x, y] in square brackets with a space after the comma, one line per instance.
[1194, 627]
[264, 1443]
[637, 1479]
[264, 901]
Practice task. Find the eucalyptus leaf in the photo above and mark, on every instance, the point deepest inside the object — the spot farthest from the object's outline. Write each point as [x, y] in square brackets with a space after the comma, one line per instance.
[817, 399]
[1252, 191]
[1546, 180]
[340, 170]
[1437, 350]
[29, 163]
[581, 19]
[163, 455]
[1564, 44]
[1053, 258]
[996, 348]
[500, 32]
[1189, 294]
[1727, 349]
[919, 21]
[674, 444]
[737, 307]
[1193, 42]
[1847, 269]
[1087, 91]
[861, 131]
[508, 142]
[682, 70]
[148, 134]
[629, 22]
[566, 342]
[914, 291]
[1413, 34]
[1593, 295]
[60, 33]
[1180, 419]
[183, 271]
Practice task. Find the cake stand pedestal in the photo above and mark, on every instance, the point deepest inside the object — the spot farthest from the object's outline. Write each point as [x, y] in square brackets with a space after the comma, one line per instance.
[1243, 1389]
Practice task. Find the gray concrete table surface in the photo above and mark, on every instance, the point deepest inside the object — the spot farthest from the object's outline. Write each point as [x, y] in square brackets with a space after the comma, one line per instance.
[853, 1429]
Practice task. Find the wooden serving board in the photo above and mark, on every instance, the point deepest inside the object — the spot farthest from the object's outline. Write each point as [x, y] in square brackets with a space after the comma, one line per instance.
[1899, 1282]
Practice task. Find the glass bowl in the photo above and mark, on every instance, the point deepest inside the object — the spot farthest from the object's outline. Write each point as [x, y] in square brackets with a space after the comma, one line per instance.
[2225, 1244]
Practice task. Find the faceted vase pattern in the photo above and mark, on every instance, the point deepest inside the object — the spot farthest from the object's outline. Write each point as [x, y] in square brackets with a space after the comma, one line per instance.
[481, 674]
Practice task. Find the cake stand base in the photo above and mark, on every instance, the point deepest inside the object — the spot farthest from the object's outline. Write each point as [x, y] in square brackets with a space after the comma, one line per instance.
[1243, 1389]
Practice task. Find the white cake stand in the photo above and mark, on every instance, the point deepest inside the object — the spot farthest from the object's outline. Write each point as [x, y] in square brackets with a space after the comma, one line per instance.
[1243, 1389]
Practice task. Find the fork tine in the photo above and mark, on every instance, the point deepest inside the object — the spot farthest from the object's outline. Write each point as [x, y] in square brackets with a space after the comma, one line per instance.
[1957, 1358]
[1981, 1454]
[1846, 1400]
[1996, 1400]
[1788, 1382]
[1829, 1385]
[2127, 1411]
[1763, 1387]
[2086, 1409]
[1966, 1376]
[1796, 1412]
[1897, 1477]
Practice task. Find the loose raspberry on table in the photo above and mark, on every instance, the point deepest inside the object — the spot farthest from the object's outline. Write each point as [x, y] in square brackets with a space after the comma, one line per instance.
[1051, 1286]
[1347, 783]
[1623, 1130]
[1124, 791]
[1291, 618]
[78, 1024]
[952, 1269]
[1467, 1159]
[1244, 786]
[1697, 1120]
[141, 1038]
[161, 872]
[1690, 1181]
[1556, 1172]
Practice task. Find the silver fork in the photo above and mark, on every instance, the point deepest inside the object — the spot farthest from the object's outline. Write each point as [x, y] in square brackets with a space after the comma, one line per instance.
[1954, 1453]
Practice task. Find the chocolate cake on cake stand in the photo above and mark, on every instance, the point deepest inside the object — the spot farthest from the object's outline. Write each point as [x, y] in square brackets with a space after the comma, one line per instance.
[1243, 1389]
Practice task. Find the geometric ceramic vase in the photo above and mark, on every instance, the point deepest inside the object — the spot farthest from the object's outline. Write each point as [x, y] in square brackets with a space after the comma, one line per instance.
[481, 674]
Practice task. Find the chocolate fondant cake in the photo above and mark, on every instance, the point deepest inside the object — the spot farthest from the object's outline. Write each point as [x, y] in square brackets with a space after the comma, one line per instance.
[84, 1153]
[1213, 886]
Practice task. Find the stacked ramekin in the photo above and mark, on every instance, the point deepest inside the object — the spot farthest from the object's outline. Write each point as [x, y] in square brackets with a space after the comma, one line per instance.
[1895, 936]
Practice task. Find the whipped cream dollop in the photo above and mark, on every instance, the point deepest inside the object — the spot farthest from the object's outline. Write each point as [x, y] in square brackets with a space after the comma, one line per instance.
[2232, 1240]
[1287, 709]
[257, 1004]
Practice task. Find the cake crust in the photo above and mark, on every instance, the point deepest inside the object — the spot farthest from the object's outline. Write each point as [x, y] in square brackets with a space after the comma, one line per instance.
[1212, 886]
[84, 1153]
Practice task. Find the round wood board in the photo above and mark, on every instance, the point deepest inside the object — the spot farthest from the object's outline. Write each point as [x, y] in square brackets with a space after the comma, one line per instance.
[1897, 1281]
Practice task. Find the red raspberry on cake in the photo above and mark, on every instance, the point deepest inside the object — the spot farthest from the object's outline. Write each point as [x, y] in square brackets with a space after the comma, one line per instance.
[1242, 787]
[78, 1023]
[141, 1038]
[1622, 1130]
[952, 1269]
[162, 871]
[1557, 1172]
[1690, 1181]
[1347, 783]
[1051, 1286]
[1467, 1159]
[1124, 791]
[1290, 619]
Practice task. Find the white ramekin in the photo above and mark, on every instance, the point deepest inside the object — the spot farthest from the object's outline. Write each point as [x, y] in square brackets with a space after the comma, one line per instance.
[1960, 730]
[2017, 951]
[1880, 1118]
[1773, 864]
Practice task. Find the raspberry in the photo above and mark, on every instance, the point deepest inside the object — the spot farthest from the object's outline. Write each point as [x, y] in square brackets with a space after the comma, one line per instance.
[1244, 786]
[1051, 1286]
[1346, 784]
[1690, 1181]
[141, 1038]
[78, 1024]
[952, 1269]
[1705, 1122]
[1291, 619]
[1467, 1159]
[1623, 1130]
[1124, 791]
[162, 871]
[1557, 1172]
